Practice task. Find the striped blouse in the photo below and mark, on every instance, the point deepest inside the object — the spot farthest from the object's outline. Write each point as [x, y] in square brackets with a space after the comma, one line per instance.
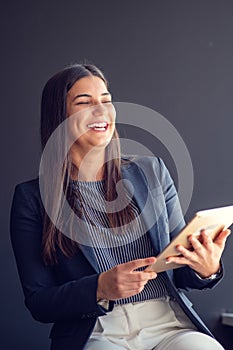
[110, 248]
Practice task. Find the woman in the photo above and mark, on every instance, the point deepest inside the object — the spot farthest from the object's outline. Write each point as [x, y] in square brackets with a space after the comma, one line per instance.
[82, 268]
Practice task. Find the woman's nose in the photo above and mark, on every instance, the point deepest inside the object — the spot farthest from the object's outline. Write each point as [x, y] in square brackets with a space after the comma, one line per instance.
[98, 109]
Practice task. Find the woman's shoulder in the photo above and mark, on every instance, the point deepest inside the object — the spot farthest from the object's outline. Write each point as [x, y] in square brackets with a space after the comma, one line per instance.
[27, 210]
[150, 168]
[152, 161]
[27, 193]
[30, 186]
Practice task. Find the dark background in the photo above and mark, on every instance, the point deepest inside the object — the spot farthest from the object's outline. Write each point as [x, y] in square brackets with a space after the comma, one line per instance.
[175, 57]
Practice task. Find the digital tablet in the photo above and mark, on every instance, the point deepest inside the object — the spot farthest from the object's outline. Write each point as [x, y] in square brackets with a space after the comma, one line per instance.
[212, 221]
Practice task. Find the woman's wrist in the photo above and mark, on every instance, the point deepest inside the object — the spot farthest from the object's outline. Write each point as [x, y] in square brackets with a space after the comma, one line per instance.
[211, 276]
[99, 294]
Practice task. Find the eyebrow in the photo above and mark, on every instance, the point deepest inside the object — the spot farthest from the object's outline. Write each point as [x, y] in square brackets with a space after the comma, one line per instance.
[87, 95]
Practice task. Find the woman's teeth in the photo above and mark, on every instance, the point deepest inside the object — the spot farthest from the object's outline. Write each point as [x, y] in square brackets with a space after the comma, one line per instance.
[98, 126]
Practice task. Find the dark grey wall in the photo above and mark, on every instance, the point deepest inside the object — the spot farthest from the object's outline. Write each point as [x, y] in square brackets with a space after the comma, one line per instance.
[173, 56]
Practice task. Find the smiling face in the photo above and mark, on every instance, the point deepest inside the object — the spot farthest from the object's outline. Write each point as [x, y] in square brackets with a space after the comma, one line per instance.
[90, 100]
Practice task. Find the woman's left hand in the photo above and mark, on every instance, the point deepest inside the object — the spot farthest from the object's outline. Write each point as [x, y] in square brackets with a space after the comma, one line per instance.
[205, 257]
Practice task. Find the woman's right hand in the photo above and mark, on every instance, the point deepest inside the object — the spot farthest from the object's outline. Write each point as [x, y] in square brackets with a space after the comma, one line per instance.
[123, 281]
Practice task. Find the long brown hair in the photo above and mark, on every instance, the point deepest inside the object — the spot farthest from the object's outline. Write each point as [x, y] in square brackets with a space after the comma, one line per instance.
[53, 113]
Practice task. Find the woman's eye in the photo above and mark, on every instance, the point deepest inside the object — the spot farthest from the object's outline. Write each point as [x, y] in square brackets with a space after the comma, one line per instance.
[82, 103]
[107, 102]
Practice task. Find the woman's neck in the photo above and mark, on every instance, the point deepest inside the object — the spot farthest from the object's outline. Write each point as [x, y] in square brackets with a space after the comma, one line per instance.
[89, 167]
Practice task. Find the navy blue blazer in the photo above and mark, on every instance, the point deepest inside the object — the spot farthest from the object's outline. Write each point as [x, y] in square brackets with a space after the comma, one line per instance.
[65, 294]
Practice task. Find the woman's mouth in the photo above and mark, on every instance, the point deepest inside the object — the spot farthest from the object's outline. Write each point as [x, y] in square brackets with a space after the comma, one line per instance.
[101, 126]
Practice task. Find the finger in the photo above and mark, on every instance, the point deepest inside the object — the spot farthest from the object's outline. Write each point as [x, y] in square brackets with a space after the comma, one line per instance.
[135, 264]
[206, 240]
[131, 292]
[180, 260]
[220, 240]
[196, 244]
[186, 256]
[143, 276]
[130, 285]
[186, 253]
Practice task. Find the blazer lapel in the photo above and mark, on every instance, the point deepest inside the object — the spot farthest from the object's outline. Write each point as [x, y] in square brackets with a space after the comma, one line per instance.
[90, 256]
[144, 201]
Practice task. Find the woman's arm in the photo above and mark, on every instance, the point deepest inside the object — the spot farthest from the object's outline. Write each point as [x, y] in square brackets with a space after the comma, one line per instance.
[206, 257]
[47, 300]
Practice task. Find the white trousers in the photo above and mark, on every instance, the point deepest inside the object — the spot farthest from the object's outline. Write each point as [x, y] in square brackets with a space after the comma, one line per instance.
[158, 324]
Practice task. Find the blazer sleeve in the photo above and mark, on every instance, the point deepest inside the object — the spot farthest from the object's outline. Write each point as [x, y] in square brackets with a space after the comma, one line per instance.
[185, 278]
[47, 300]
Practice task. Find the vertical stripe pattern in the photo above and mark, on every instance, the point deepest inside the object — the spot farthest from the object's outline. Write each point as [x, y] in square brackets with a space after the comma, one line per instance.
[111, 248]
